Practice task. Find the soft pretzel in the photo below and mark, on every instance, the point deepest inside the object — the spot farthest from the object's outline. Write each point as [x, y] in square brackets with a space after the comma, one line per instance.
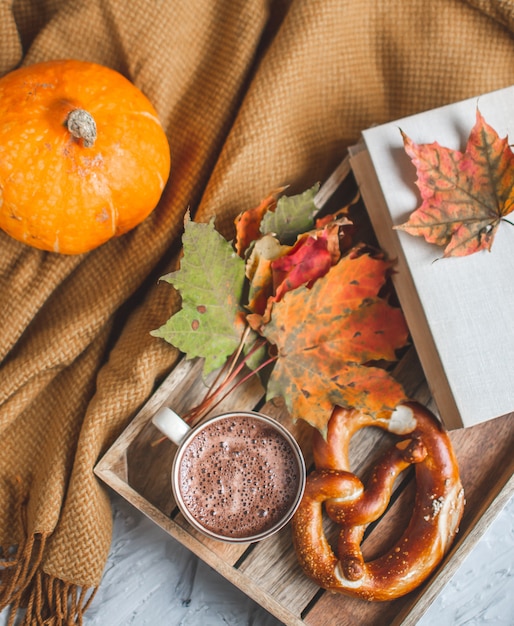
[435, 518]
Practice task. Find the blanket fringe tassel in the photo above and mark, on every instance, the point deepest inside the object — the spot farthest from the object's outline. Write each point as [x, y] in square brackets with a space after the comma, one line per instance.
[34, 596]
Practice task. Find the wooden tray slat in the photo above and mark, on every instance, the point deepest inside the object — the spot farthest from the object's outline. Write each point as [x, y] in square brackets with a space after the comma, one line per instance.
[273, 564]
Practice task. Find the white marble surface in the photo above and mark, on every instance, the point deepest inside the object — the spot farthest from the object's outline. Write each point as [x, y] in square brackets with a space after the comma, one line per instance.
[152, 580]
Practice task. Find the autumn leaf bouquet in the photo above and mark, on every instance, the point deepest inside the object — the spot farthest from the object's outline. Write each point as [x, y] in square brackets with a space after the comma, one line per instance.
[294, 299]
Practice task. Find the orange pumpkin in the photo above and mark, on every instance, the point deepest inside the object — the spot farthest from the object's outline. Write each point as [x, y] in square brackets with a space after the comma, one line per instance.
[83, 156]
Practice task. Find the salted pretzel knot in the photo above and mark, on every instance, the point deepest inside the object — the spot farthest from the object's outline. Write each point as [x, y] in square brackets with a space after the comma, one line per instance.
[435, 517]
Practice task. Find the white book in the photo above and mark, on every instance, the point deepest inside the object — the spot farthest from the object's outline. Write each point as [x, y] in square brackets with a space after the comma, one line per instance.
[460, 310]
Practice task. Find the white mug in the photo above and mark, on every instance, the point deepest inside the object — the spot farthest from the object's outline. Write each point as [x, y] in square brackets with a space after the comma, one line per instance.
[236, 477]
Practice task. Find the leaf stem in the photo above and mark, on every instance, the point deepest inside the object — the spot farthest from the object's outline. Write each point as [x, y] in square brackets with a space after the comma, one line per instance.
[226, 372]
[237, 354]
[226, 376]
[197, 413]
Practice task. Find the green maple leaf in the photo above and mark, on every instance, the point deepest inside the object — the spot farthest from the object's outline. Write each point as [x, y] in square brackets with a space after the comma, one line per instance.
[294, 215]
[210, 281]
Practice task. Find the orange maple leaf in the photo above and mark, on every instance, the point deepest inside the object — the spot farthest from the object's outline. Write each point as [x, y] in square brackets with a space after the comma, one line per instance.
[327, 336]
[465, 194]
[248, 222]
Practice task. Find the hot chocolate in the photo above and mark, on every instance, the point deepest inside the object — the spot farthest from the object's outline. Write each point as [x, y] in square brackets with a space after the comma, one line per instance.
[238, 476]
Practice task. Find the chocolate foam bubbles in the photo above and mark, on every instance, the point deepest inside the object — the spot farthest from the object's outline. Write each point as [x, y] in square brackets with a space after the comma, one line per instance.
[239, 476]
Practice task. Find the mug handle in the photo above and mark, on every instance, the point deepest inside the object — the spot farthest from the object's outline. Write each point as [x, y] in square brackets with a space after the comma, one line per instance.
[171, 425]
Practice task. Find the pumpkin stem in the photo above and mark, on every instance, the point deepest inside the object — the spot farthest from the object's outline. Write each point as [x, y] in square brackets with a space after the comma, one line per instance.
[82, 125]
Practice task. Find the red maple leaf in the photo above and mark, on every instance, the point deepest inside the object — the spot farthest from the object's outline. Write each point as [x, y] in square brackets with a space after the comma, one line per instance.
[465, 194]
[309, 259]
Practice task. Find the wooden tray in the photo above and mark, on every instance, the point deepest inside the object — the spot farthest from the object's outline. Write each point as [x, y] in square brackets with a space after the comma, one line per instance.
[139, 470]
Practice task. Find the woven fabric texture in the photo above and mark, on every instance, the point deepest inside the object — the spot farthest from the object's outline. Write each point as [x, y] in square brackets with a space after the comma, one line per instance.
[253, 95]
